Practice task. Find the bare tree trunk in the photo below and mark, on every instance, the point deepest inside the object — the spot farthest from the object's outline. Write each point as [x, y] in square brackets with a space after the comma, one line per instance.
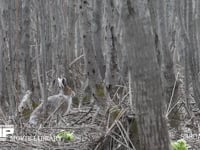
[17, 47]
[25, 44]
[110, 45]
[189, 45]
[146, 76]
[193, 59]
[184, 36]
[8, 55]
[97, 35]
[70, 38]
[1, 64]
[167, 67]
[54, 36]
[3, 85]
[158, 16]
[93, 73]
[43, 48]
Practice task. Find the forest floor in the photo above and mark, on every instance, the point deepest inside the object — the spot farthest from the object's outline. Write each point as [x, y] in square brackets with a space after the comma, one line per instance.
[185, 120]
[89, 134]
[76, 122]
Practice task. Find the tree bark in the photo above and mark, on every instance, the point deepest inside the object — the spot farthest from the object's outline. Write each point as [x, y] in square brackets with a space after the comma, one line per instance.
[97, 35]
[146, 76]
[93, 73]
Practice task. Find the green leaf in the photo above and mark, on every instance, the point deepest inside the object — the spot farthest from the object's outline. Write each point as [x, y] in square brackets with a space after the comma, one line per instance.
[180, 145]
[66, 135]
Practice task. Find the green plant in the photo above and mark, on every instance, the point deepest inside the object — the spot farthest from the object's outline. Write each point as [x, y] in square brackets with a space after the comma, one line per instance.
[26, 112]
[100, 90]
[179, 145]
[66, 135]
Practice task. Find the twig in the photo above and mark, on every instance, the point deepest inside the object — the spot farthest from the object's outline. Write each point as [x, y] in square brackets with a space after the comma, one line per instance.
[62, 120]
[120, 142]
[83, 116]
[111, 127]
[115, 93]
[122, 133]
[173, 107]
[53, 112]
[172, 95]
[130, 91]
[126, 135]
[75, 60]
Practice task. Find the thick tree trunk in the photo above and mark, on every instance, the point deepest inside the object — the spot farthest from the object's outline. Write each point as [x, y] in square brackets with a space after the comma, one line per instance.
[146, 76]
[190, 56]
[7, 27]
[97, 35]
[193, 59]
[1, 64]
[70, 38]
[158, 17]
[110, 45]
[93, 73]
[25, 44]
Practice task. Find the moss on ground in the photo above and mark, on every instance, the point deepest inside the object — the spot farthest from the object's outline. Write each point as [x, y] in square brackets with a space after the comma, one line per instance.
[100, 90]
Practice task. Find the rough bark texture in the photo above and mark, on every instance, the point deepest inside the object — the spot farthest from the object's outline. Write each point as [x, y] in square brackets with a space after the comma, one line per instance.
[146, 77]
[95, 81]
[97, 35]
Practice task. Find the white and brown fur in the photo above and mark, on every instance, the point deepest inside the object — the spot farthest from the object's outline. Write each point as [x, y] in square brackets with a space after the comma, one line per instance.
[61, 101]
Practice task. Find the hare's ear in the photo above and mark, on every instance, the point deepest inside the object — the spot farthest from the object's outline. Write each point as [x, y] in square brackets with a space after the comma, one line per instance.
[28, 92]
[64, 81]
[60, 82]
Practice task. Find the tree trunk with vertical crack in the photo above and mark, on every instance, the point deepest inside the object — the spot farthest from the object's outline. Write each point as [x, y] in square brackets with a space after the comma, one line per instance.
[192, 54]
[93, 73]
[110, 45]
[146, 76]
[97, 35]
